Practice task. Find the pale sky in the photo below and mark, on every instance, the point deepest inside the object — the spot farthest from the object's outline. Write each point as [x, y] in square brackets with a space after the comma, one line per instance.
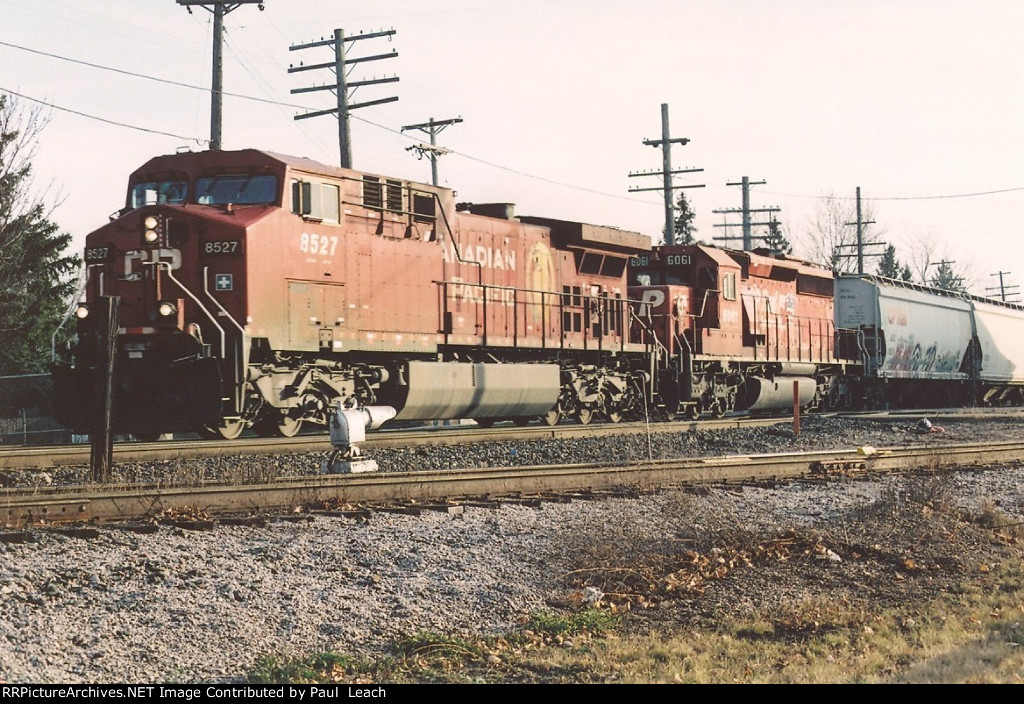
[917, 102]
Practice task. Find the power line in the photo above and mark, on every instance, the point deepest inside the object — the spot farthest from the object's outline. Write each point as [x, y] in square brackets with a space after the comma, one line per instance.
[197, 140]
[940, 197]
[148, 78]
[292, 105]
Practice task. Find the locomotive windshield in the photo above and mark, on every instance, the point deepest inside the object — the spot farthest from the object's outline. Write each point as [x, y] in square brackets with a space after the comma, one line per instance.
[239, 189]
[668, 269]
[156, 192]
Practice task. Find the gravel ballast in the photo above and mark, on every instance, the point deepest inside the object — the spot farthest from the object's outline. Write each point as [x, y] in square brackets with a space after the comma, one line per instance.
[183, 606]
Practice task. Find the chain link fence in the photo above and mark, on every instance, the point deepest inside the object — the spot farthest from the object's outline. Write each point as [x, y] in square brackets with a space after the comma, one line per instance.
[25, 412]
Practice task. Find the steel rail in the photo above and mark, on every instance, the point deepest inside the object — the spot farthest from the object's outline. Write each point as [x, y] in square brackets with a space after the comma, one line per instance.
[63, 455]
[24, 508]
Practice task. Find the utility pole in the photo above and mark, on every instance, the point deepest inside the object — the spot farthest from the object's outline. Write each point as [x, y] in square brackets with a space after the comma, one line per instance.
[431, 128]
[341, 84]
[667, 173]
[745, 210]
[861, 244]
[1004, 289]
[219, 8]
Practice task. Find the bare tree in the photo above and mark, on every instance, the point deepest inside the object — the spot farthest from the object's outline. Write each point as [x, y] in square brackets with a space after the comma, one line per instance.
[933, 264]
[923, 253]
[832, 237]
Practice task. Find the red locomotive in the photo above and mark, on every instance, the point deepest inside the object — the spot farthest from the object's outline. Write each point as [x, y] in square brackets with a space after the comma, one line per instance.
[738, 328]
[259, 290]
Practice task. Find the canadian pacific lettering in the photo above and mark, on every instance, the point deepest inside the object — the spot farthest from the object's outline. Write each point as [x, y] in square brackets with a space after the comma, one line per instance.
[487, 257]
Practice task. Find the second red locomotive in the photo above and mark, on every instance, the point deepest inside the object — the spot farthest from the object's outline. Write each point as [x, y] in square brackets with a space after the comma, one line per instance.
[739, 329]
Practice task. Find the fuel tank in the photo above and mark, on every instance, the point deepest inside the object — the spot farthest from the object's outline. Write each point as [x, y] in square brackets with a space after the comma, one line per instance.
[760, 394]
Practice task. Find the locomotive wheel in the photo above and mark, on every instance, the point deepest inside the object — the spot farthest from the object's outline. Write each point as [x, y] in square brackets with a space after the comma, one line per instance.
[227, 430]
[552, 417]
[718, 408]
[585, 415]
[275, 424]
[289, 427]
[485, 422]
[693, 411]
[521, 421]
[614, 416]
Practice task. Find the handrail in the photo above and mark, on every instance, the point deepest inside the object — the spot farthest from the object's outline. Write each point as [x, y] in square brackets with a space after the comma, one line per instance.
[84, 277]
[195, 299]
[703, 304]
[455, 244]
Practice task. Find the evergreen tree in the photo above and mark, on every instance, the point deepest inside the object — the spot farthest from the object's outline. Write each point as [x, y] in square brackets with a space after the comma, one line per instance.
[776, 240]
[891, 267]
[945, 277]
[684, 227]
[36, 273]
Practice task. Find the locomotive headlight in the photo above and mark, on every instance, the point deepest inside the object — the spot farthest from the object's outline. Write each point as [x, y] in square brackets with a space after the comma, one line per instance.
[82, 311]
[166, 309]
[151, 229]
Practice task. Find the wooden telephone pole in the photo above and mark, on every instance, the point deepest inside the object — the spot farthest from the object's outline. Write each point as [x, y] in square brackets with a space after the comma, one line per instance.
[219, 8]
[342, 85]
[666, 173]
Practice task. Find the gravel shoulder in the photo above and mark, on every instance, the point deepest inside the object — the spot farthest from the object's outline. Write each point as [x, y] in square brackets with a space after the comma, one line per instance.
[180, 606]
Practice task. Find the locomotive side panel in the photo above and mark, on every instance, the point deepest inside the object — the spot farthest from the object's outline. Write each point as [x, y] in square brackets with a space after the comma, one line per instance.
[787, 308]
[484, 289]
[350, 269]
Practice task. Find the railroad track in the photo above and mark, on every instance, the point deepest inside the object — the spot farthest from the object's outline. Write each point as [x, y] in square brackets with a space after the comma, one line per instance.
[21, 508]
[63, 455]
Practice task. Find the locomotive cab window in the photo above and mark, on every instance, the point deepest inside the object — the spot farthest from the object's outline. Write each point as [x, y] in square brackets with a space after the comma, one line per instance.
[330, 195]
[302, 197]
[307, 198]
[678, 277]
[171, 191]
[729, 286]
[316, 201]
[237, 189]
[588, 262]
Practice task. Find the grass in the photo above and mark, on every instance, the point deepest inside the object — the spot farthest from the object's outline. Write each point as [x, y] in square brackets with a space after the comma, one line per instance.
[976, 636]
[962, 623]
